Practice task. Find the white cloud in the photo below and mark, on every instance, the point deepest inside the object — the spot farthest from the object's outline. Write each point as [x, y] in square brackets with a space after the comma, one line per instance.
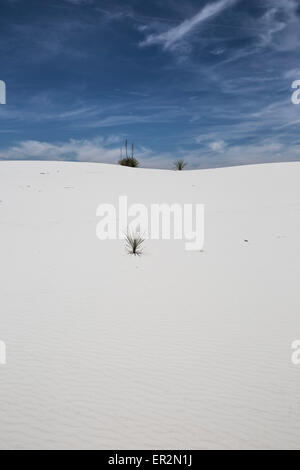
[217, 146]
[218, 51]
[280, 25]
[97, 150]
[81, 150]
[174, 35]
[267, 151]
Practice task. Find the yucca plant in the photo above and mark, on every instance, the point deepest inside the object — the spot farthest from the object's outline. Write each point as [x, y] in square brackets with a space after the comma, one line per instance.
[134, 242]
[128, 160]
[180, 165]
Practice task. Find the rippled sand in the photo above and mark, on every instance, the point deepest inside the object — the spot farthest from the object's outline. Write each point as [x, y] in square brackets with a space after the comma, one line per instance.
[174, 349]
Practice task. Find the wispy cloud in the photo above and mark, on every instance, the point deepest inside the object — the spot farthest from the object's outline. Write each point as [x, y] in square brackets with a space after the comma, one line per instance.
[94, 150]
[169, 38]
[217, 146]
[280, 25]
[266, 151]
[216, 154]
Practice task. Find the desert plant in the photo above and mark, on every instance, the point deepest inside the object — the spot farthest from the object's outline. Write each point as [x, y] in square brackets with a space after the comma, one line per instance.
[134, 242]
[128, 160]
[180, 165]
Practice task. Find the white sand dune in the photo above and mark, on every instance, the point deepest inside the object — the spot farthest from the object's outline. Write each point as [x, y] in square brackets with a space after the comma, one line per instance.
[173, 349]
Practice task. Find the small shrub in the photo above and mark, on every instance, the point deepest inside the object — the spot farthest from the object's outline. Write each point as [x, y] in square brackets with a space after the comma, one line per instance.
[128, 160]
[180, 165]
[134, 244]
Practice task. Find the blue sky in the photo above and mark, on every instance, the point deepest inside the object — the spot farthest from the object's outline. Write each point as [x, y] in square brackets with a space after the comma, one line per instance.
[207, 80]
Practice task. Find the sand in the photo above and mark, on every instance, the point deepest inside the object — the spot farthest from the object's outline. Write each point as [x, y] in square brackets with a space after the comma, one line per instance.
[173, 349]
